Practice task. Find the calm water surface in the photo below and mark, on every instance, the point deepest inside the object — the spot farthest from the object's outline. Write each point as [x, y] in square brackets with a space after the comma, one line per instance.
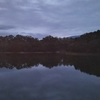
[49, 77]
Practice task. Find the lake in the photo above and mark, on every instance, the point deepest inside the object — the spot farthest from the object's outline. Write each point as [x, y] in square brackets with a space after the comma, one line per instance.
[49, 77]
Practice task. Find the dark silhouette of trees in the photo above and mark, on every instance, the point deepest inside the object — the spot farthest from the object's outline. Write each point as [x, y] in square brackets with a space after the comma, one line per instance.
[85, 63]
[86, 43]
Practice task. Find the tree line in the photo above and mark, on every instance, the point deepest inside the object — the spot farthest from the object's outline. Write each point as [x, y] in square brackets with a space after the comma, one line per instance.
[86, 43]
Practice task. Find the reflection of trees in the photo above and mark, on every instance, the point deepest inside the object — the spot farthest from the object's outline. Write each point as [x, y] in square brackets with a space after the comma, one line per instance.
[89, 64]
[29, 60]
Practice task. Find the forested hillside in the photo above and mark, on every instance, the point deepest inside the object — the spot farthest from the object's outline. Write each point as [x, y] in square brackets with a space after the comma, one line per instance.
[86, 43]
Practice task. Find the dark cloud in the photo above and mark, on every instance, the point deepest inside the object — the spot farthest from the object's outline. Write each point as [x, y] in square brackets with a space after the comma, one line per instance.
[55, 17]
[6, 27]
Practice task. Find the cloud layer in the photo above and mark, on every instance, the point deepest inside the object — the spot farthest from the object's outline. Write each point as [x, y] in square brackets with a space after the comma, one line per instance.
[53, 17]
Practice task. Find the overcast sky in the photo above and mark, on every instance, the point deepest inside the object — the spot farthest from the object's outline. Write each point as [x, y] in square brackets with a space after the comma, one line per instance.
[49, 17]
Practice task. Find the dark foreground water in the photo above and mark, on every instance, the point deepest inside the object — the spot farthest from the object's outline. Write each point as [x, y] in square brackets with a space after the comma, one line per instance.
[49, 77]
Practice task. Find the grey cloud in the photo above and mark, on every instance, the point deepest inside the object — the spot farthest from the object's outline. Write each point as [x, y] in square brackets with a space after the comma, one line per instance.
[35, 35]
[58, 16]
[6, 27]
[80, 14]
[2, 33]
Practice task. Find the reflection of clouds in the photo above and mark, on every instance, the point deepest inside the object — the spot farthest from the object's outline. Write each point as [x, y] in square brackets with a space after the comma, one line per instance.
[48, 84]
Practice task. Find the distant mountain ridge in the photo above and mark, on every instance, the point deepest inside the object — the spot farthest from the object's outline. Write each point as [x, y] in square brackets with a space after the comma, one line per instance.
[74, 36]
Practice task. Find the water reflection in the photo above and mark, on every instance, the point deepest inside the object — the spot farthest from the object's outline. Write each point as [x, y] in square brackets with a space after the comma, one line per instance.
[23, 77]
[85, 63]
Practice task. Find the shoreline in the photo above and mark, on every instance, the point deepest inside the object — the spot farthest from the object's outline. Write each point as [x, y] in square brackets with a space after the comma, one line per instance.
[66, 53]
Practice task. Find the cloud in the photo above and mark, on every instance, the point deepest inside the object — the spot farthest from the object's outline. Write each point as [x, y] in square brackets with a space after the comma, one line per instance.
[6, 27]
[35, 35]
[52, 17]
[2, 33]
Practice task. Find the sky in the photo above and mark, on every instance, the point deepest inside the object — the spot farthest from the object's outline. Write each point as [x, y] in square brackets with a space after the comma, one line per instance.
[39, 18]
